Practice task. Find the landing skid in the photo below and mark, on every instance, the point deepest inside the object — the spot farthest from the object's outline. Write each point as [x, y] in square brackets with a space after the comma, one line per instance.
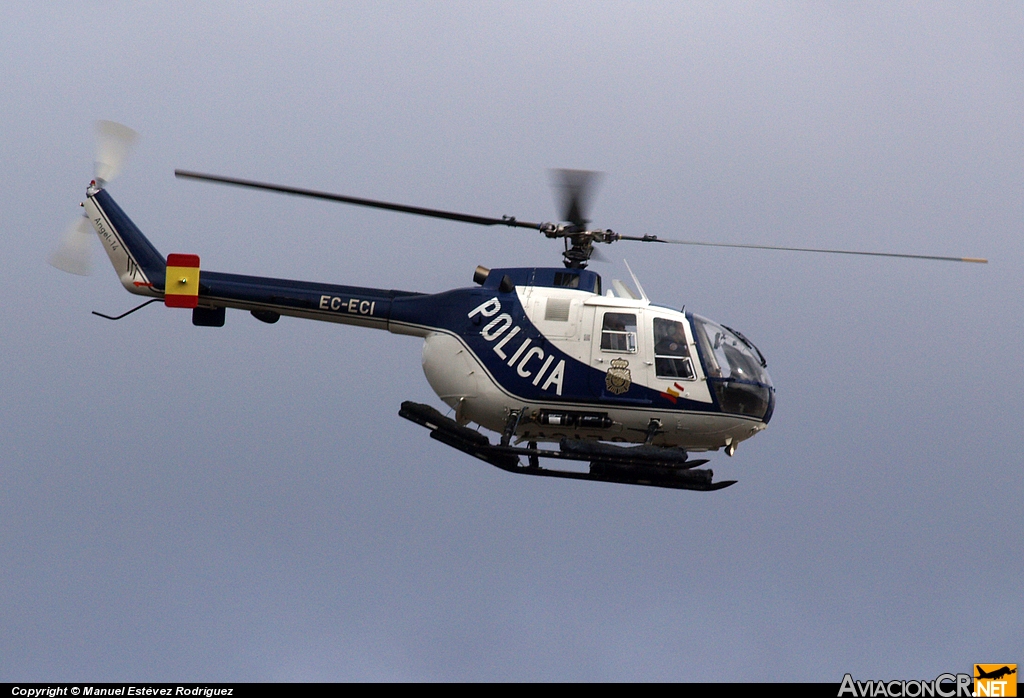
[651, 466]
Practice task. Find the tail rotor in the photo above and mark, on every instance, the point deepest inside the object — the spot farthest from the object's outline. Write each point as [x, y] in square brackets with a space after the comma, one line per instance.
[74, 254]
[113, 145]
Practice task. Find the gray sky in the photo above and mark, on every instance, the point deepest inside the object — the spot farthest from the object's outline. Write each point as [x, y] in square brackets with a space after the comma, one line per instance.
[245, 503]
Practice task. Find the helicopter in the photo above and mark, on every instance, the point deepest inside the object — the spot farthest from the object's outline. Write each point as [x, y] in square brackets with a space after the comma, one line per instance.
[559, 367]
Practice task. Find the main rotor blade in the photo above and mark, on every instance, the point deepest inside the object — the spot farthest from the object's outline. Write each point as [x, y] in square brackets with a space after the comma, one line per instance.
[370, 203]
[576, 189]
[655, 238]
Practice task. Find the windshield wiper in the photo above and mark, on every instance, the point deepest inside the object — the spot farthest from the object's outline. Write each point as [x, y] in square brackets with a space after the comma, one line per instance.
[760, 356]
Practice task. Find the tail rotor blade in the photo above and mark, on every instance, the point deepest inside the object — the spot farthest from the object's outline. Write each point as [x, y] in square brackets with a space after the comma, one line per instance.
[113, 144]
[74, 254]
[575, 189]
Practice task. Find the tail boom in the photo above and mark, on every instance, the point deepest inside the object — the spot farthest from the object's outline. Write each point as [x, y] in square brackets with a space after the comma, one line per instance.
[144, 271]
[348, 305]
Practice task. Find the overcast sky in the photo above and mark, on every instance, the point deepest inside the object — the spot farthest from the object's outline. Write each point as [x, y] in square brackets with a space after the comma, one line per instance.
[244, 503]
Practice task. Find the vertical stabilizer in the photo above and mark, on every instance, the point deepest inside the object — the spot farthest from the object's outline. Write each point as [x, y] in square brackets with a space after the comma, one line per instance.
[137, 263]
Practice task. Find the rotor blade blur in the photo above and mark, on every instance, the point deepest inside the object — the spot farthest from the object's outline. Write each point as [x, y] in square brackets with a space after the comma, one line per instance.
[113, 144]
[74, 254]
[575, 188]
[655, 238]
[509, 221]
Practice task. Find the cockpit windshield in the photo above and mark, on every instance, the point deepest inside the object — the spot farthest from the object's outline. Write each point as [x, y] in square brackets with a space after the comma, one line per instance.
[726, 354]
[735, 369]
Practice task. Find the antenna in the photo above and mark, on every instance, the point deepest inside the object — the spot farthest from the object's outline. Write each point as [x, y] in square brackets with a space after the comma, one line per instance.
[636, 282]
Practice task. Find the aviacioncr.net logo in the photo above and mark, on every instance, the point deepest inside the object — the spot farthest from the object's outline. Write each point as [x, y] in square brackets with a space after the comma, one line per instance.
[943, 686]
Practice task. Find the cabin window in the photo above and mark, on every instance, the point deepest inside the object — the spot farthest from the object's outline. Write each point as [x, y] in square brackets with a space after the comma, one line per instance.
[618, 333]
[671, 350]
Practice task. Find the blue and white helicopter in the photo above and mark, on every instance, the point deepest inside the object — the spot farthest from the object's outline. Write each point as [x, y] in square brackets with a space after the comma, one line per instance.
[558, 366]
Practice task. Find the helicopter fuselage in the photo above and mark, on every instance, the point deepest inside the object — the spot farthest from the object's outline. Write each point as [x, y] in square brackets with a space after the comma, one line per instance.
[582, 365]
[541, 344]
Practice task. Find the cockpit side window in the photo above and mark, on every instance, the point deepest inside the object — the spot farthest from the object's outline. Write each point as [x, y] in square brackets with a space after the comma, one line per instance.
[711, 362]
[671, 350]
[618, 332]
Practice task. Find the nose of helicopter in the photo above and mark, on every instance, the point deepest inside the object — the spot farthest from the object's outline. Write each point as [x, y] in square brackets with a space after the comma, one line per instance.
[771, 406]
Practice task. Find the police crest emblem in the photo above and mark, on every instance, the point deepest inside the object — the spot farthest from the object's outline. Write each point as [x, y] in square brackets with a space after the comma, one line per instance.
[617, 380]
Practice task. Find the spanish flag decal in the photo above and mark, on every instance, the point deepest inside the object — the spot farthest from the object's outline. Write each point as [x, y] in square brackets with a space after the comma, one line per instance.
[673, 395]
[181, 289]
